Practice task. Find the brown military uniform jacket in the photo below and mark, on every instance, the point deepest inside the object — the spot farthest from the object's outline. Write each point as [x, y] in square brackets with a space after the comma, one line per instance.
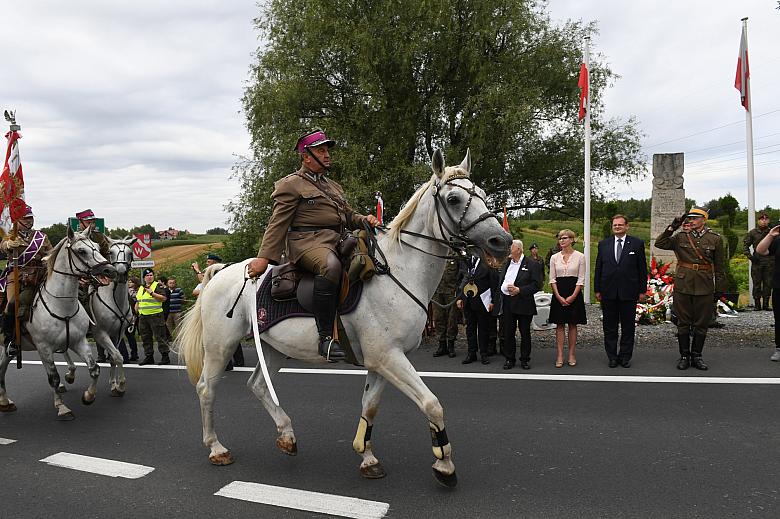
[688, 280]
[752, 239]
[33, 269]
[318, 208]
[100, 238]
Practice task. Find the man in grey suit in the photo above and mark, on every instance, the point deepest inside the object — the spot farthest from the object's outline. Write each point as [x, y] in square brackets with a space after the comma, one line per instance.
[521, 278]
[620, 281]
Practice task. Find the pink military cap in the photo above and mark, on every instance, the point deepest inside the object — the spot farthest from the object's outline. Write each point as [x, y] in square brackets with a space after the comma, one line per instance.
[86, 214]
[312, 140]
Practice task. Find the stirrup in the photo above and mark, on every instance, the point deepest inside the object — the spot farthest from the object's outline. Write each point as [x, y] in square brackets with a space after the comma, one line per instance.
[331, 350]
[10, 349]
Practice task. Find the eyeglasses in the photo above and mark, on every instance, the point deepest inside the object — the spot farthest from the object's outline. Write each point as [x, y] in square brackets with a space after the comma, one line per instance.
[564, 238]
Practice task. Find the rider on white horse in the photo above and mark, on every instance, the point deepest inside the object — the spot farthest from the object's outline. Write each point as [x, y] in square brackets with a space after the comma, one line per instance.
[87, 220]
[309, 216]
[26, 248]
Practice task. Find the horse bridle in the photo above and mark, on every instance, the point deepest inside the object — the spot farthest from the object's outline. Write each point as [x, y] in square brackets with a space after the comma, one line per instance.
[75, 271]
[123, 250]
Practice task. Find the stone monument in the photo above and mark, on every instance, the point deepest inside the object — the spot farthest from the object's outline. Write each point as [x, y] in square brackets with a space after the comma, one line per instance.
[668, 199]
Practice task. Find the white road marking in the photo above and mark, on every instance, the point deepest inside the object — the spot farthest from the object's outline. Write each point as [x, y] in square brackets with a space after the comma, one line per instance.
[102, 466]
[6, 441]
[567, 378]
[175, 367]
[328, 504]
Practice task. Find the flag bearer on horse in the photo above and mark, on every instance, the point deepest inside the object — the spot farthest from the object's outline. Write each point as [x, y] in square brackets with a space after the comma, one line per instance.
[309, 216]
[25, 248]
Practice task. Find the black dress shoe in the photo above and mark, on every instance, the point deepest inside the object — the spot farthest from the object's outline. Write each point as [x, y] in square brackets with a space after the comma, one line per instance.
[485, 360]
[684, 363]
[626, 363]
[613, 363]
[525, 365]
[469, 359]
[509, 364]
[697, 363]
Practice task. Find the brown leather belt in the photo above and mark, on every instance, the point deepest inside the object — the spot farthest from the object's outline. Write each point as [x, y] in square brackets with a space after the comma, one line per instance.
[695, 266]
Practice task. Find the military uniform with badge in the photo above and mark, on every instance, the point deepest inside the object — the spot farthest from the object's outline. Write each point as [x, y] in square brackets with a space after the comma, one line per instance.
[700, 274]
[26, 248]
[761, 267]
[446, 317]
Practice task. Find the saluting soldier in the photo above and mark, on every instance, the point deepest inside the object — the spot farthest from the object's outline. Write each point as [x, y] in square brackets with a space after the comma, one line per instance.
[700, 274]
[309, 215]
[26, 248]
[446, 319]
[86, 220]
[761, 267]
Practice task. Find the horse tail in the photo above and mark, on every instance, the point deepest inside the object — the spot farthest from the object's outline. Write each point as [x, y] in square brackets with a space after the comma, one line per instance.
[189, 342]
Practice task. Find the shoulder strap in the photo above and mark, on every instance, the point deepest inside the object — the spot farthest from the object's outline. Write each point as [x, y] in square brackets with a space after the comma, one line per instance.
[695, 248]
[339, 202]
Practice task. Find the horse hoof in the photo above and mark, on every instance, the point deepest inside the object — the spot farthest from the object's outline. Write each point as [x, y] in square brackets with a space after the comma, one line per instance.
[116, 392]
[66, 417]
[222, 459]
[87, 402]
[8, 408]
[373, 471]
[447, 480]
[287, 446]
[70, 379]
[61, 389]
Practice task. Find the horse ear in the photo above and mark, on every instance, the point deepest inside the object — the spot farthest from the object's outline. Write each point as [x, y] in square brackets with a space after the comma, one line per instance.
[466, 164]
[437, 163]
[70, 232]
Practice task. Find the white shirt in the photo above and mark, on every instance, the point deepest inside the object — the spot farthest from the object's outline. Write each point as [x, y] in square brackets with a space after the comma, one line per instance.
[511, 274]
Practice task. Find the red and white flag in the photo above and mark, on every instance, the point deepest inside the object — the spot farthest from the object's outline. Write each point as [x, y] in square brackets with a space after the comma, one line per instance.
[742, 80]
[505, 224]
[12, 204]
[583, 84]
[380, 208]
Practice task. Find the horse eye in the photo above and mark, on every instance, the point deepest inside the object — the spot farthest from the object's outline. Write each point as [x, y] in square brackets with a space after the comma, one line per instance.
[453, 200]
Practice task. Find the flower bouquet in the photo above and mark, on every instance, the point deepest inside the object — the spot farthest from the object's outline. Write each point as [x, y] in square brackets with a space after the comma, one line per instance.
[657, 307]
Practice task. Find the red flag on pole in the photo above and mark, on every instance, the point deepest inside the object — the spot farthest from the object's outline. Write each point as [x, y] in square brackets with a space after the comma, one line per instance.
[11, 183]
[506, 221]
[743, 71]
[380, 208]
[583, 84]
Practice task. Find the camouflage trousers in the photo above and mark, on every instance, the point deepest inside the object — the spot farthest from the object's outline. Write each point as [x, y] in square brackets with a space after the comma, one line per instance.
[761, 272]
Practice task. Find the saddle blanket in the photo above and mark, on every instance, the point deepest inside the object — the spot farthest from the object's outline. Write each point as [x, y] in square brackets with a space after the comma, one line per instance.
[270, 312]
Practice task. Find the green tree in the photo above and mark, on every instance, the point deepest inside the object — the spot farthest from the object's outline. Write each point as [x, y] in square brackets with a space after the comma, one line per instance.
[55, 232]
[217, 230]
[145, 229]
[393, 79]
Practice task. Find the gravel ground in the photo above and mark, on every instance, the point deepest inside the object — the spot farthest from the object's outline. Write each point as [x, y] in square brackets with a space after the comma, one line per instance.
[748, 329]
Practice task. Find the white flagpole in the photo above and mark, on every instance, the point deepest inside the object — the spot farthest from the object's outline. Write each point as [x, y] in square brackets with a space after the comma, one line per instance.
[586, 232]
[749, 139]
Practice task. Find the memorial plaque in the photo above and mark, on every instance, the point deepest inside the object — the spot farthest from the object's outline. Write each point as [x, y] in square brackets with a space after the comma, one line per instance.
[668, 198]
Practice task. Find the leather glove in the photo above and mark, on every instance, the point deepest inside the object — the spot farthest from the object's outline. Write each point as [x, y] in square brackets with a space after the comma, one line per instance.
[13, 243]
[677, 222]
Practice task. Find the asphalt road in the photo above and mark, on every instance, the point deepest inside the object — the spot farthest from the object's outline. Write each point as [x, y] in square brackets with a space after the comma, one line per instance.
[552, 446]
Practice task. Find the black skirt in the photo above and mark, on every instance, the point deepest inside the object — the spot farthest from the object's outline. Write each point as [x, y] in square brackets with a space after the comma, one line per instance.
[575, 312]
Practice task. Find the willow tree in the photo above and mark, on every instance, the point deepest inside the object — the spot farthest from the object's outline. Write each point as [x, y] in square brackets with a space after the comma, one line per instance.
[391, 80]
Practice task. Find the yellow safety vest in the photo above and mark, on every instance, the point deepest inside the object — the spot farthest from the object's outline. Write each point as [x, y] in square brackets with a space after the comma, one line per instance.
[147, 305]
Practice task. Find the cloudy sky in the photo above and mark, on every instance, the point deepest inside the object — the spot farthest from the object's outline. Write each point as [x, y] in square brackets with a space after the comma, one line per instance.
[133, 109]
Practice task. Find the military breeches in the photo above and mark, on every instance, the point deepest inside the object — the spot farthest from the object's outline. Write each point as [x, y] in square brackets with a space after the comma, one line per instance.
[152, 328]
[445, 319]
[321, 262]
[761, 272]
[694, 313]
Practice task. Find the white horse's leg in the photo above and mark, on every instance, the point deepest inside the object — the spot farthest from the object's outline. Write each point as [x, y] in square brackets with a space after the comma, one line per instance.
[286, 440]
[83, 350]
[6, 404]
[47, 358]
[214, 361]
[116, 377]
[397, 369]
[70, 376]
[370, 467]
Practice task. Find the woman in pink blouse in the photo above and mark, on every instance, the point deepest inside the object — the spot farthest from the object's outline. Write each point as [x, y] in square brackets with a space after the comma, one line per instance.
[567, 277]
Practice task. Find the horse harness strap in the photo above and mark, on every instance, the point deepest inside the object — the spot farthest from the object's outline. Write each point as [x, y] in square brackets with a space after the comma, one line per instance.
[59, 317]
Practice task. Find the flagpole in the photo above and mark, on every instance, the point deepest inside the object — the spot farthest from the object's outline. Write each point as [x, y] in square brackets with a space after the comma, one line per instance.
[749, 140]
[586, 232]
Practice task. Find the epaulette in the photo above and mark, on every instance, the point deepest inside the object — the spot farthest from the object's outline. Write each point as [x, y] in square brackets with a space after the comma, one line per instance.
[712, 232]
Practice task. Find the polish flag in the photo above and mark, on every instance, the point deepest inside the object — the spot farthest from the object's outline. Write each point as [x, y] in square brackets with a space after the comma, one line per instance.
[380, 208]
[505, 224]
[583, 84]
[741, 82]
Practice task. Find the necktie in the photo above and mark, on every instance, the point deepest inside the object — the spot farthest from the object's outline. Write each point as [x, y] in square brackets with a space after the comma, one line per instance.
[619, 251]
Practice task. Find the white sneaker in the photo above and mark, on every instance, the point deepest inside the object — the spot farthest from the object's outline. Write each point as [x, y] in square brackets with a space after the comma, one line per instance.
[775, 356]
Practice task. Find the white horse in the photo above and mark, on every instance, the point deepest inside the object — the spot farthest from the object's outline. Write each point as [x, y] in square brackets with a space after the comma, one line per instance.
[110, 305]
[58, 322]
[387, 323]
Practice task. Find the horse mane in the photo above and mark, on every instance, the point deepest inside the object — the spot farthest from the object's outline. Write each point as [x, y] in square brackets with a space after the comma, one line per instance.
[410, 207]
[211, 271]
[49, 258]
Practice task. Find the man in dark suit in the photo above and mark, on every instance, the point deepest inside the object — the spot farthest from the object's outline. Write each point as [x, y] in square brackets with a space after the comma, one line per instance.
[480, 281]
[522, 278]
[620, 281]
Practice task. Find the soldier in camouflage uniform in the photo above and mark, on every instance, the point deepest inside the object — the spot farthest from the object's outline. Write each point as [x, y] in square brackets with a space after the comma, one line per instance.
[761, 267]
[700, 274]
[446, 319]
